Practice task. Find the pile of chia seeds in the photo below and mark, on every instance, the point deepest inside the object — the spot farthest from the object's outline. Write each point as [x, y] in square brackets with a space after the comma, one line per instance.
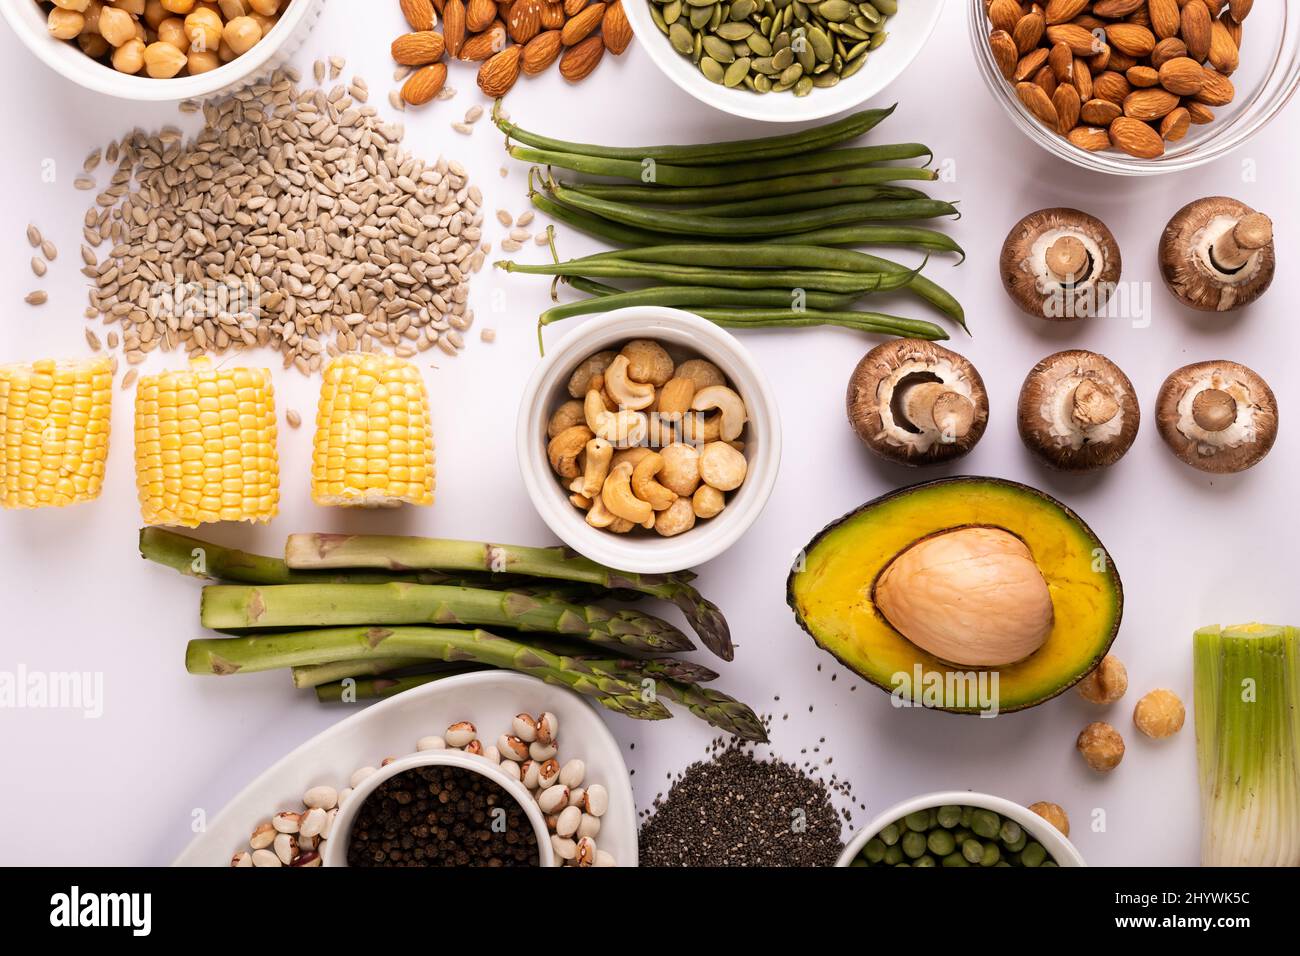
[734, 809]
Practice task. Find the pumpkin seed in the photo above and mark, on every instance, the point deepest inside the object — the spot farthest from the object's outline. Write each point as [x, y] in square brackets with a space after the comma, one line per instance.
[719, 50]
[782, 59]
[712, 69]
[658, 18]
[835, 11]
[735, 31]
[758, 44]
[700, 17]
[804, 86]
[878, 39]
[821, 43]
[826, 80]
[672, 12]
[682, 39]
[740, 11]
[736, 72]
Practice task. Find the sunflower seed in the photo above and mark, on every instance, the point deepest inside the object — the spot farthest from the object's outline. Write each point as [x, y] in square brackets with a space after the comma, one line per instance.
[36, 298]
[293, 418]
[34, 237]
[38, 267]
[129, 379]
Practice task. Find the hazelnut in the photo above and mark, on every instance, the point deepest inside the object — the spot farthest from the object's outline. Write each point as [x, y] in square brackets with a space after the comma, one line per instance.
[1159, 714]
[1107, 683]
[1101, 746]
[1053, 814]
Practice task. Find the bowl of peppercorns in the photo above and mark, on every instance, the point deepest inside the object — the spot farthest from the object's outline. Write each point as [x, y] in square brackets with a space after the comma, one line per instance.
[440, 808]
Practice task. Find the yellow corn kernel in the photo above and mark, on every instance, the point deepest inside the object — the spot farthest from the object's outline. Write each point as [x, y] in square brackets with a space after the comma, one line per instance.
[54, 426]
[205, 446]
[374, 441]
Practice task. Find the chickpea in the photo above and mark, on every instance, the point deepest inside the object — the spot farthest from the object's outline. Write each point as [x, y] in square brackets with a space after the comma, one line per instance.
[133, 7]
[65, 24]
[162, 61]
[242, 33]
[267, 8]
[182, 7]
[172, 30]
[266, 23]
[93, 9]
[224, 53]
[116, 26]
[76, 6]
[129, 57]
[1101, 746]
[203, 61]
[203, 27]
[154, 13]
[93, 45]
[1107, 683]
[1159, 714]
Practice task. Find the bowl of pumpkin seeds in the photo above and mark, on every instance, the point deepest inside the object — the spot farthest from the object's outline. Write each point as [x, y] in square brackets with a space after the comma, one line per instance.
[783, 61]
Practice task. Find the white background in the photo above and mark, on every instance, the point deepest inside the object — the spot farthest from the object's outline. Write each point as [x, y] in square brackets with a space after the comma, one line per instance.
[1192, 550]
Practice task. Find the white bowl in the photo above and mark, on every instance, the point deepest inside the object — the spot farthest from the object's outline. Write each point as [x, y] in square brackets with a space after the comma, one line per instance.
[1062, 851]
[908, 30]
[639, 552]
[27, 19]
[336, 847]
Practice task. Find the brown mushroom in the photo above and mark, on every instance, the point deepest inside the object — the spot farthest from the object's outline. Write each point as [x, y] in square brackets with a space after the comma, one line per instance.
[1219, 416]
[1217, 254]
[1060, 264]
[917, 403]
[1078, 411]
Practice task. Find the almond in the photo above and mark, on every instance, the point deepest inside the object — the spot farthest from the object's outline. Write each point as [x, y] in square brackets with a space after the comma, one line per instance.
[479, 15]
[1080, 41]
[1234, 30]
[524, 20]
[424, 84]
[1136, 138]
[1083, 79]
[1030, 64]
[1111, 86]
[615, 28]
[573, 7]
[1196, 29]
[1143, 76]
[1067, 103]
[418, 49]
[552, 15]
[578, 61]
[1183, 76]
[580, 27]
[1166, 18]
[498, 73]
[1217, 91]
[1100, 112]
[1150, 105]
[1199, 113]
[1223, 51]
[1090, 138]
[1061, 60]
[1046, 79]
[1131, 38]
[1101, 60]
[1038, 103]
[1028, 31]
[1175, 126]
[1005, 54]
[1063, 11]
[1240, 9]
[487, 44]
[1004, 14]
[1115, 9]
[541, 51]
[453, 26]
[419, 14]
[1166, 50]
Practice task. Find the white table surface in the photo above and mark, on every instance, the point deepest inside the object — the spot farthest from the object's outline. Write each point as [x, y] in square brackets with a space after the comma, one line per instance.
[1192, 550]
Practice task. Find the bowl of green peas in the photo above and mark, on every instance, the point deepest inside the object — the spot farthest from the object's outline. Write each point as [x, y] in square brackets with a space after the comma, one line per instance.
[957, 828]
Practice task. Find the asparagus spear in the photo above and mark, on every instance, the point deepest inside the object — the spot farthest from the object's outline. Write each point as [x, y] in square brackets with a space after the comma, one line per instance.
[392, 553]
[314, 675]
[224, 656]
[237, 607]
[375, 688]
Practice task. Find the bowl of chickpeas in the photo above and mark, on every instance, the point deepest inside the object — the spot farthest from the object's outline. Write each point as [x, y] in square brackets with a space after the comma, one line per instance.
[162, 50]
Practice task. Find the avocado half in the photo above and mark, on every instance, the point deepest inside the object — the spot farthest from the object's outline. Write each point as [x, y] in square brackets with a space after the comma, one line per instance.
[831, 589]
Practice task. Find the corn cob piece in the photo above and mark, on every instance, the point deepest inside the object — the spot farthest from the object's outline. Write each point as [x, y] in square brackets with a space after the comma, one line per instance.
[374, 442]
[205, 446]
[54, 427]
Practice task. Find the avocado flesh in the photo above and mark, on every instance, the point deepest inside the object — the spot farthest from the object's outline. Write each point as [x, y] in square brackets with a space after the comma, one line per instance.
[831, 592]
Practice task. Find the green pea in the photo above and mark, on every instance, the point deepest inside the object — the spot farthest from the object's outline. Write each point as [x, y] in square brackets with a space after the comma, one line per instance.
[925, 861]
[913, 844]
[1010, 832]
[893, 855]
[986, 824]
[874, 851]
[967, 813]
[906, 866]
[1018, 844]
[955, 859]
[991, 855]
[962, 835]
[858, 861]
[1048, 863]
[973, 851]
[918, 821]
[948, 817]
[941, 842]
[890, 834]
[1033, 855]
[1001, 863]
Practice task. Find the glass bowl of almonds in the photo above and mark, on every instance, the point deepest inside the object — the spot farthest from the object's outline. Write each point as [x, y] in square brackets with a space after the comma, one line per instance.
[162, 50]
[1138, 87]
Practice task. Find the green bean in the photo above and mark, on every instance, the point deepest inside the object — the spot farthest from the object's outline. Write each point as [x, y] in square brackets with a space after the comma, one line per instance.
[600, 228]
[819, 200]
[666, 174]
[808, 318]
[823, 280]
[780, 186]
[689, 296]
[878, 236]
[708, 154]
[753, 226]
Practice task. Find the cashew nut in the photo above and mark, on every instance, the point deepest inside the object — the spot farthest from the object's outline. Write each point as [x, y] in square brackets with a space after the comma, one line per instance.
[580, 380]
[646, 488]
[598, 516]
[700, 428]
[708, 501]
[621, 428]
[566, 416]
[681, 470]
[581, 502]
[730, 405]
[627, 393]
[675, 399]
[564, 449]
[633, 455]
[619, 499]
[595, 467]
[677, 519]
[702, 372]
[648, 362]
[722, 466]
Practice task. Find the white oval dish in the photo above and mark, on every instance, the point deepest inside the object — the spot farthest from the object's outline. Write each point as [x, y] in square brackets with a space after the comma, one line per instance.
[27, 19]
[908, 30]
[1053, 841]
[489, 699]
[649, 553]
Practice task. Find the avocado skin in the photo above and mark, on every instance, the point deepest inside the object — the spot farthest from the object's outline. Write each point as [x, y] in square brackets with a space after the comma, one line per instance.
[958, 482]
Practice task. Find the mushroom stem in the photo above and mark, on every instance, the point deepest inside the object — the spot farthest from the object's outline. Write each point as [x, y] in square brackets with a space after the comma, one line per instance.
[932, 406]
[1214, 410]
[1093, 404]
[1067, 259]
[1232, 250]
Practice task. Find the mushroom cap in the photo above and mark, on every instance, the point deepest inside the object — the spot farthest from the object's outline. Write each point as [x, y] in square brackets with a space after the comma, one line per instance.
[871, 393]
[1044, 415]
[1024, 273]
[1188, 273]
[1177, 395]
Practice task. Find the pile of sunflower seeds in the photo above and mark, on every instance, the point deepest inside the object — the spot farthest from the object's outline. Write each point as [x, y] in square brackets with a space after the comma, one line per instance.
[293, 220]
